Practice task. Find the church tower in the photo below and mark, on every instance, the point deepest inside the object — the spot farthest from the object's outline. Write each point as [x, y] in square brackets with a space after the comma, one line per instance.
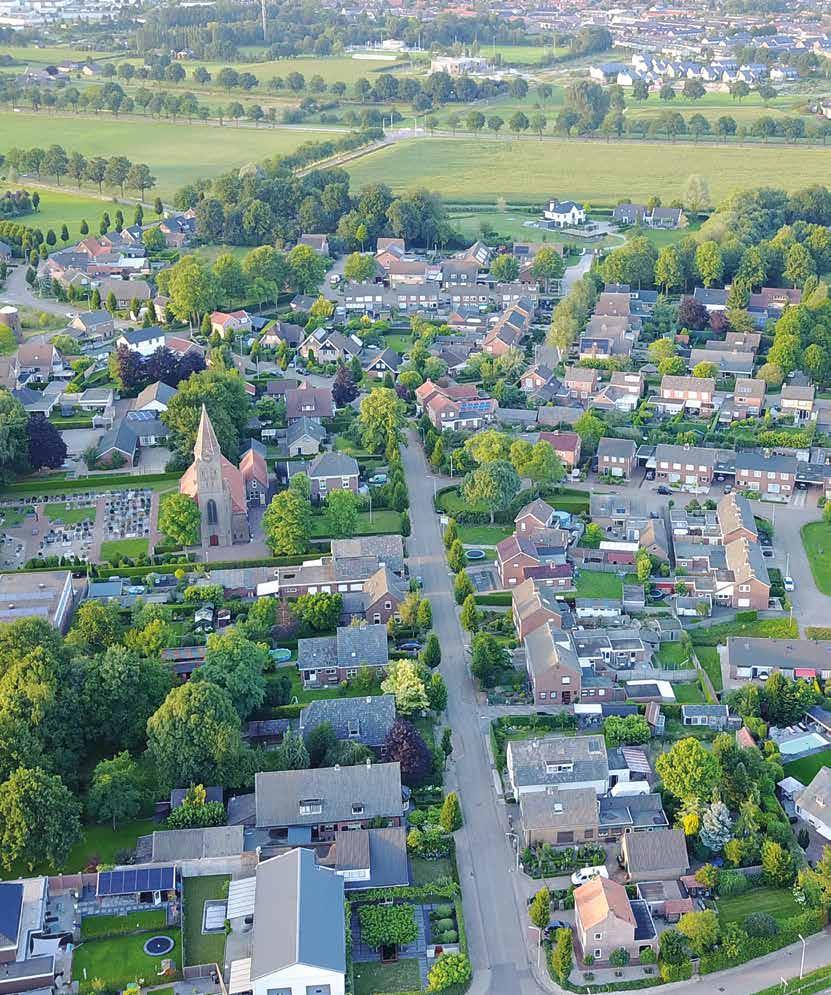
[213, 494]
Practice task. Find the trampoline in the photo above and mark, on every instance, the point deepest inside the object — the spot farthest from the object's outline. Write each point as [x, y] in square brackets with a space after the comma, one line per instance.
[158, 946]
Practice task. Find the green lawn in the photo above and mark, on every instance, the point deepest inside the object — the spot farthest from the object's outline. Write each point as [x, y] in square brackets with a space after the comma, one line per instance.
[97, 926]
[401, 976]
[114, 549]
[807, 768]
[673, 656]
[688, 694]
[11, 518]
[56, 510]
[121, 960]
[305, 695]
[777, 902]
[202, 948]
[70, 209]
[428, 871]
[400, 342]
[709, 659]
[176, 153]
[98, 845]
[383, 522]
[343, 444]
[597, 584]
[470, 170]
[816, 538]
[767, 628]
[484, 535]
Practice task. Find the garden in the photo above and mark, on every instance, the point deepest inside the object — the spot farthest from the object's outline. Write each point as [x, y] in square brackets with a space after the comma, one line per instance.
[543, 861]
[202, 948]
[118, 961]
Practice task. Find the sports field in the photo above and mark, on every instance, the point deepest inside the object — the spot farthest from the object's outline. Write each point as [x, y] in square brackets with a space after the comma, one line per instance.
[176, 153]
[472, 170]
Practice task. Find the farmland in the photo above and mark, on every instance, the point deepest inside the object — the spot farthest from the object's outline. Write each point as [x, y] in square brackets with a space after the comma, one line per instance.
[69, 209]
[176, 153]
[528, 170]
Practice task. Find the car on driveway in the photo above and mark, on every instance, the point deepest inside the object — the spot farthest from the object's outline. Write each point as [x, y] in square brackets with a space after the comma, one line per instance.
[553, 926]
[767, 551]
[585, 874]
[663, 489]
[411, 646]
[728, 488]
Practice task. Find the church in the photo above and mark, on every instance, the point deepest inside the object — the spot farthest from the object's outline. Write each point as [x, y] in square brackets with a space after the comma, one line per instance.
[221, 490]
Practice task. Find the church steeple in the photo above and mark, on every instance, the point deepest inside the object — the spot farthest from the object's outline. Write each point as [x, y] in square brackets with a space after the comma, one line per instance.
[206, 448]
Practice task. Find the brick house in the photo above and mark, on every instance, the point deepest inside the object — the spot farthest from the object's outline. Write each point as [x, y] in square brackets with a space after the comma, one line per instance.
[608, 920]
[750, 580]
[325, 661]
[537, 515]
[567, 446]
[230, 322]
[735, 519]
[678, 393]
[330, 472]
[616, 457]
[581, 381]
[686, 466]
[455, 406]
[306, 401]
[797, 401]
[765, 472]
[534, 605]
[749, 396]
[538, 554]
[553, 666]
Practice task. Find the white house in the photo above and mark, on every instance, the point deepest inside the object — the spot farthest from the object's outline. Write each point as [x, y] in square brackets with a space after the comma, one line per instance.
[297, 942]
[144, 341]
[564, 213]
[814, 803]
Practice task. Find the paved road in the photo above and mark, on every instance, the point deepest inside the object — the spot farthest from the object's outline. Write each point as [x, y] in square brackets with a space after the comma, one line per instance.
[503, 956]
[18, 292]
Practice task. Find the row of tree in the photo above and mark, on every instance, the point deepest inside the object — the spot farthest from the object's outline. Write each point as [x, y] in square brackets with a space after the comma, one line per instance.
[117, 171]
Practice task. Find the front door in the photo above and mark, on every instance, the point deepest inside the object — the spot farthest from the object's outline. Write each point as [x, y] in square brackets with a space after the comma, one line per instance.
[214, 540]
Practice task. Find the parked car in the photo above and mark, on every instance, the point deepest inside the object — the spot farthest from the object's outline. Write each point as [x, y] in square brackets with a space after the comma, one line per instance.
[788, 584]
[377, 479]
[767, 551]
[663, 489]
[650, 474]
[589, 874]
[728, 488]
[553, 926]
[411, 646]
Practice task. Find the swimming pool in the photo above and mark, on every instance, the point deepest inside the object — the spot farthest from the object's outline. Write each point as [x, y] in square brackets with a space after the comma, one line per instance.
[802, 744]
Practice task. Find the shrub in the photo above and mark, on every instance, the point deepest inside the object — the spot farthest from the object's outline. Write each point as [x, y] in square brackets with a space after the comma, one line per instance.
[676, 972]
[760, 924]
[449, 969]
[450, 936]
[444, 924]
[562, 958]
[732, 883]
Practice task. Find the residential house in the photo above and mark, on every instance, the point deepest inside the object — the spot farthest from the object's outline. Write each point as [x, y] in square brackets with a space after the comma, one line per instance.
[534, 605]
[378, 363]
[118, 446]
[227, 323]
[735, 519]
[814, 803]
[775, 298]
[748, 400]
[566, 445]
[606, 337]
[755, 658]
[750, 580]
[622, 393]
[320, 243]
[564, 214]
[712, 298]
[325, 345]
[710, 716]
[414, 297]
[36, 401]
[364, 298]
[616, 457]
[456, 406]
[38, 363]
[553, 666]
[407, 271]
[149, 428]
[540, 378]
[305, 401]
[254, 470]
[657, 856]
[380, 599]
[297, 944]
[311, 805]
[144, 341]
[534, 516]
[26, 965]
[179, 229]
[559, 818]
[655, 217]
[389, 250]
[353, 720]
[47, 595]
[686, 466]
[155, 397]
[541, 555]
[329, 472]
[728, 362]
[324, 661]
[93, 325]
[679, 393]
[278, 333]
[459, 272]
[797, 401]
[565, 762]
[608, 920]
[304, 437]
[766, 473]
[581, 382]
[125, 291]
[510, 329]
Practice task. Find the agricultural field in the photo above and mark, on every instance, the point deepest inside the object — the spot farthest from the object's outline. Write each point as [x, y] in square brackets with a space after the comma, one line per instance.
[69, 208]
[176, 153]
[52, 55]
[713, 105]
[527, 170]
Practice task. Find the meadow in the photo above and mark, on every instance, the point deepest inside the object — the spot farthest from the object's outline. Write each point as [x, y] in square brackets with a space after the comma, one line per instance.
[69, 208]
[525, 171]
[176, 153]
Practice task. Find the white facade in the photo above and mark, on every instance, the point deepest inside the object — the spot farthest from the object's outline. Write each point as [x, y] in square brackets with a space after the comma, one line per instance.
[301, 980]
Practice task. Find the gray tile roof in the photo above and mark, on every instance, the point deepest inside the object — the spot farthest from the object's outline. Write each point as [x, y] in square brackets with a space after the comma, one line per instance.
[586, 755]
[333, 465]
[302, 427]
[157, 391]
[279, 794]
[298, 916]
[196, 844]
[387, 549]
[372, 717]
[561, 810]
[816, 798]
[660, 850]
[706, 711]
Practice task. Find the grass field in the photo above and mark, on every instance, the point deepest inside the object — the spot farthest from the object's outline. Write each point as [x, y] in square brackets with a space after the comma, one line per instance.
[816, 538]
[428, 871]
[114, 549]
[55, 511]
[808, 767]
[70, 209]
[97, 926]
[709, 659]
[597, 584]
[777, 902]
[470, 170]
[383, 521]
[202, 948]
[673, 656]
[688, 694]
[121, 960]
[484, 535]
[400, 976]
[305, 695]
[176, 153]
[50, 55]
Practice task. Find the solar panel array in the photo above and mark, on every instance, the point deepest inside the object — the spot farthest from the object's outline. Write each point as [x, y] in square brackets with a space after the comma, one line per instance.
[132, 880]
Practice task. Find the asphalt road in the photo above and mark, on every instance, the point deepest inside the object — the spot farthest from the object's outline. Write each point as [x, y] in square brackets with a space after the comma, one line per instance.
[502, 953]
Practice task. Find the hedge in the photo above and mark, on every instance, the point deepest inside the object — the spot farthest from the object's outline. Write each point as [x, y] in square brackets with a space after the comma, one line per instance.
[286, 711]
[805, 923]
[495, 598]
[440, 888]
[92, 483]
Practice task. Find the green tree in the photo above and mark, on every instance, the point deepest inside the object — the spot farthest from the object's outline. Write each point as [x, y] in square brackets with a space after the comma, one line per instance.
[643, 566]
[96, 626]
[505, 268]
[237, 665]
[229, 278]
[450, 816]
[449, 970]
[223, 394]
[689, 771]
[591, 430]
[179, 519]
[191, 289]
[404, 681]
[381, 418]
[799, 265]
[668, 271]
[470, 618]
[14, 439]
[436, 693]
[342, 508]
[286, 524]
[488, 659]
[431, 654]
[562, 958]
[39, 819]
[701, 929]
[489, 446]
[360, 267]
[709, 262]
[194, 736]
[705, 371]
[196, 812]
[320, 612]
[493, 485]
[777, 864]
[386, 925]
[306, 269]
[117, 791]
[539, 911]
[462, 587]
[547, 266]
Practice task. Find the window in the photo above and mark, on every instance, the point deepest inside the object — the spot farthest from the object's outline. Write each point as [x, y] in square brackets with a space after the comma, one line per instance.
[598, 936]
[352, 672]
[543, 695]
[353, 728]
[566, 680]
[213, 518]
[376, 618]
[598, 953]
[311, 806]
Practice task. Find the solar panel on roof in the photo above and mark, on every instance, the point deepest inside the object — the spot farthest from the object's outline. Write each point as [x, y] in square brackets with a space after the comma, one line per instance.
[130, 881]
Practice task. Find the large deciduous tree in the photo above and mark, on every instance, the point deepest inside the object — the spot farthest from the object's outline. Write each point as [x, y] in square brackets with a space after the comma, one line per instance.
[179, 519]
[236, 664]
[405, 744]
[46, 446]
[117, 790]
[494, 485]
[286, 524]
[39, 819]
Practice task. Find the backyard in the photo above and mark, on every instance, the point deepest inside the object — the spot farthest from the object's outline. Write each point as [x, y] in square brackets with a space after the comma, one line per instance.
[777, 902]
[483, 535]
[711, 662]
[816, 538]
[98, 926]
[706, 638]
[598, 584]
[807, 768]
[673, 656]
[382, 522]
[400, 976]
[120, 960]
[688, 694]
[202, 948]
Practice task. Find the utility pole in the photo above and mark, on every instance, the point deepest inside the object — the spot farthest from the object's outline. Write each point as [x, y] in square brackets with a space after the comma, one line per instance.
[262, 3]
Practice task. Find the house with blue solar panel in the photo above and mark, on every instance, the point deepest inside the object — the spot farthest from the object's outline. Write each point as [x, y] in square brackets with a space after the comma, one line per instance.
[128, 889]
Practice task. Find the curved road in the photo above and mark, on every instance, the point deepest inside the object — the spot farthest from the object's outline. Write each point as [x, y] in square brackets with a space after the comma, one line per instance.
[502, 953]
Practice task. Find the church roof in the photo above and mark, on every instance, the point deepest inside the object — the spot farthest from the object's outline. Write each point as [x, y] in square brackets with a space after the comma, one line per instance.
[207, 444]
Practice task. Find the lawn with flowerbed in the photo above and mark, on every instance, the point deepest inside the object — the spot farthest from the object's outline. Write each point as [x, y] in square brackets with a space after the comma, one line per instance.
[483, 535]
[777, 902]
[120, 960]
[806, 768]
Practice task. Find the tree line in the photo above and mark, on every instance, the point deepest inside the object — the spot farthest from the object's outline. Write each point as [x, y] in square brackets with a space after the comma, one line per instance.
[54, 161]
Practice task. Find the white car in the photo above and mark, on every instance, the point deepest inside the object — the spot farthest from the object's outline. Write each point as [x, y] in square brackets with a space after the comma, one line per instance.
[589, 874]
[788, 584]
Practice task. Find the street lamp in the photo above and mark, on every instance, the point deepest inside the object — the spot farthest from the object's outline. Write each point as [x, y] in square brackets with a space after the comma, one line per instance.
[802, 962]
[539, 942]
[515, 838]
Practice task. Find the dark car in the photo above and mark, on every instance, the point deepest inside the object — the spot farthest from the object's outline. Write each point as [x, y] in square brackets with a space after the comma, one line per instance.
[663, 489]
[553, 926]
[410, 647]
